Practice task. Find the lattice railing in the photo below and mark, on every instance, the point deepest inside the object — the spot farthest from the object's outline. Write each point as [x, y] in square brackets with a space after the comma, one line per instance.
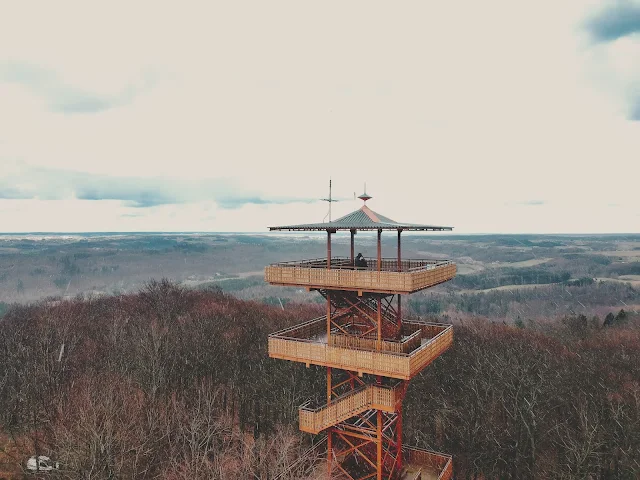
[414, 275]
[386, 264]
[438, 463]
[307, 343]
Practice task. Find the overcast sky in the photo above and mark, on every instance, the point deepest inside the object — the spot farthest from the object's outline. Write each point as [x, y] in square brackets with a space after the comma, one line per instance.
[489, 116]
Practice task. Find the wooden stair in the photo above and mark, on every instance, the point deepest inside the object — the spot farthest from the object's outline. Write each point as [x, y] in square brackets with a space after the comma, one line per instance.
[346, 406]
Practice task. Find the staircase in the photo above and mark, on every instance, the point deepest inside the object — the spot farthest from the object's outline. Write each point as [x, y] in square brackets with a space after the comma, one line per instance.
[346, 406]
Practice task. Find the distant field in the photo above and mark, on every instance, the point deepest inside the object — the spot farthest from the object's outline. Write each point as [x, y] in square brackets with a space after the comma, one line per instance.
[466, 268]
[622, 253]
[525, 263]
[503, 267]
[630, 277]
[509, 287]
[635, 281]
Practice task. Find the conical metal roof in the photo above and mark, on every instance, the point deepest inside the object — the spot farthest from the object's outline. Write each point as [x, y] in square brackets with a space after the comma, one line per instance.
[361, 219]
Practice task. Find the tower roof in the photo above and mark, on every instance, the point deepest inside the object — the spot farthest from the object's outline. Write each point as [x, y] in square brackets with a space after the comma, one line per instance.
[362, 219]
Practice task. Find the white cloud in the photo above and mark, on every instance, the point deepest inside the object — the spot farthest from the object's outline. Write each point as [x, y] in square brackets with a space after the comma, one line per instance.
[448, 115]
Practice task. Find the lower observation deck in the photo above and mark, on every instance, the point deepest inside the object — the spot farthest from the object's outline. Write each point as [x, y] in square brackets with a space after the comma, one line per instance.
[420, 345]
[407, 277]
[426, 465]
[419, 464]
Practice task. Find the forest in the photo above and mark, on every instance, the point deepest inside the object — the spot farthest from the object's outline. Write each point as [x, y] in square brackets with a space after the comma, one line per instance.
[175, 383]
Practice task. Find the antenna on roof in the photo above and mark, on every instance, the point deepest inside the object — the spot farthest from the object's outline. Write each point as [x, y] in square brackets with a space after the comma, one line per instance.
[330, 200]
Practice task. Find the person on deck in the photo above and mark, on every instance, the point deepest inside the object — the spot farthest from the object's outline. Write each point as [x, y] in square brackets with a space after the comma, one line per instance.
[360, 261]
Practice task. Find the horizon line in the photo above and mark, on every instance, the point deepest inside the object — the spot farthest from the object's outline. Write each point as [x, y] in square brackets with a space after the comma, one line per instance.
[267, 232]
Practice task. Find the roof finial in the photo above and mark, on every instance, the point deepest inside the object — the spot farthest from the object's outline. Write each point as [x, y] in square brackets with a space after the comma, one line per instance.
[364, 197]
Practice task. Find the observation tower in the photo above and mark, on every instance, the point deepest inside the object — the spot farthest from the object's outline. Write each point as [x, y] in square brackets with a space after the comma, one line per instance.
[369, 351]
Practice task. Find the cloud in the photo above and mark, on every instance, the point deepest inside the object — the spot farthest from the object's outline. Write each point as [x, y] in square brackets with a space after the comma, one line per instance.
[27, 182]
[615, 52]
[635, 112]
[527, 203]
[12, 193]
[230, 202]
[136, 192]
[132, 198]
[618, 20]
[62, 97]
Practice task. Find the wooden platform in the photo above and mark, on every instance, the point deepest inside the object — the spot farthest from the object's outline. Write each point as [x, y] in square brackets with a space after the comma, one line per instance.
[307, 343]
[411, 275]
[423, 464]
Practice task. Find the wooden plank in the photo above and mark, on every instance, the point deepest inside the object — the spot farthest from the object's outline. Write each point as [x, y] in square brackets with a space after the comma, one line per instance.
[437, 462]
[410, 280]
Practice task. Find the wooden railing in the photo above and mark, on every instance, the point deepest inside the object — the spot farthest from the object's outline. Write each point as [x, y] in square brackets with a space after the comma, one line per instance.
[346, 406]
[386, 264]
[403, 346]
[428, 330]
[307, 343]
[439, 463]
[414, 274]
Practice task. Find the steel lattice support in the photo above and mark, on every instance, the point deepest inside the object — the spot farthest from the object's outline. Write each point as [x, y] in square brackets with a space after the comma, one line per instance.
[357, 315]
[369, 444]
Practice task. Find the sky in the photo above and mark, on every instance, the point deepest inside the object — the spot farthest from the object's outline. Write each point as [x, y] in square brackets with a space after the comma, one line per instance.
[491, 117]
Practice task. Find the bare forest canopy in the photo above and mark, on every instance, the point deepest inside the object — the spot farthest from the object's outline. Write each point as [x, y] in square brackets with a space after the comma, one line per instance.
[175, 383]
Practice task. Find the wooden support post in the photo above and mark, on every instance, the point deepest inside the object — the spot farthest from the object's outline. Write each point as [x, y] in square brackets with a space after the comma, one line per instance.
[399, 251]
[401, 393]
[353, 233]
[328, 385]
[379, 249]
[399, 312]
[328, 249]
[379, 343]
[328, 317]
[379, 460]
[399, 315]
[329, 447]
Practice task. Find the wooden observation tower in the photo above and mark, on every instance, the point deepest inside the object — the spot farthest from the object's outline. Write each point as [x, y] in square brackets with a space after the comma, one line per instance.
[369, 352]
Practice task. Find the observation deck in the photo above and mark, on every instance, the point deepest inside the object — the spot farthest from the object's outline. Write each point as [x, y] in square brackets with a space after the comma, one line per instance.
[423, 464]
[421, 344]
[392, 276]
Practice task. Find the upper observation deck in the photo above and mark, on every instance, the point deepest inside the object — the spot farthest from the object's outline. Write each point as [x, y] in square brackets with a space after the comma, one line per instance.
[388, 275]
[378, 275]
